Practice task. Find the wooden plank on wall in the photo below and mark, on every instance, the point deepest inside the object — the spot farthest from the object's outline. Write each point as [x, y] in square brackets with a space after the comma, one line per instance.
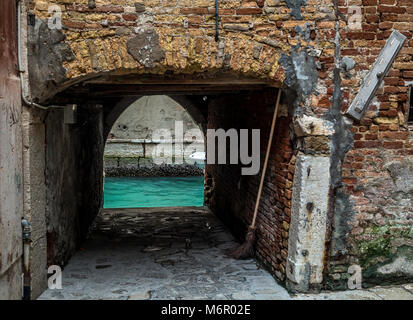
[373, 80]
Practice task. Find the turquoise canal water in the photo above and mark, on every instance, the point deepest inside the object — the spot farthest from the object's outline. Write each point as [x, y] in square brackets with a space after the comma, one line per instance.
[154, 192]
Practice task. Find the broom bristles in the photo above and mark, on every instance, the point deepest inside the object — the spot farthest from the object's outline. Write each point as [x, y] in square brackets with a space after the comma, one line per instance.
[246, 250]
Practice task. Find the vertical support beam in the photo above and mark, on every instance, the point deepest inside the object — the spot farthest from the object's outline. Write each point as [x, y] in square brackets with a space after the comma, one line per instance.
[306, 244]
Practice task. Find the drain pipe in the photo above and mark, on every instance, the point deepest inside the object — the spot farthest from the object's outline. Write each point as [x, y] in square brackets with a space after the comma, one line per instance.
[217, 20]
[26, 259]
[23, 88]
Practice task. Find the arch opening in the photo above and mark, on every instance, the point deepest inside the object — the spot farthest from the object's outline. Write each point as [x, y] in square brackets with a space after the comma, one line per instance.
[75, 153]
[153, 157]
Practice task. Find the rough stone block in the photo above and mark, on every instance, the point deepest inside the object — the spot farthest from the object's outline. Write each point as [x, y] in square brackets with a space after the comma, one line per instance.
[306, 244]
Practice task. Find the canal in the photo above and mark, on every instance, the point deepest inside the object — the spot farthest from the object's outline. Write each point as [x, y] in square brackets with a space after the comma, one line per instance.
[148, 192]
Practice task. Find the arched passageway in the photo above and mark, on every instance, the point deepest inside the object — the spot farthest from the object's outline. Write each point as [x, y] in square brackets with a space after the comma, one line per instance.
[75, 185]
[327, 184]
[225, 84]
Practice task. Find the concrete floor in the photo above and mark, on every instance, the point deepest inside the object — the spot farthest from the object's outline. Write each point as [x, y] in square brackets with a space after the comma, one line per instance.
[176, 253]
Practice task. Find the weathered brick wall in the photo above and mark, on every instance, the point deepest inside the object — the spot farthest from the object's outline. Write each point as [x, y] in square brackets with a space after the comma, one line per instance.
[378, 171]
[234, 196]
[275, 214]
[253, 36]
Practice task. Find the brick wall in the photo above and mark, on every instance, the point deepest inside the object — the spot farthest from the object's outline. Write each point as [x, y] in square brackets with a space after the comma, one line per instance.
[234, 196]
[377, 172]
[253, 36]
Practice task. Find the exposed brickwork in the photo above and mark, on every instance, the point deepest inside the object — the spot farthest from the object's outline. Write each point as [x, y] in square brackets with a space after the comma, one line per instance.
[383, 213]
[274, 218]
[253, 35]
[234, 195]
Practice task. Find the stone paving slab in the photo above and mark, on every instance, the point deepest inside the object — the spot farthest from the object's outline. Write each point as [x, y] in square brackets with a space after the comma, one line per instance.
[409, 287]
[162, 253]
[176, 253]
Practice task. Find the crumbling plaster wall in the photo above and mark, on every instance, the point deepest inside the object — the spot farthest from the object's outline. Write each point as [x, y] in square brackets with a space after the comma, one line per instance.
[34, 163]
[180, 36]
[74, 179]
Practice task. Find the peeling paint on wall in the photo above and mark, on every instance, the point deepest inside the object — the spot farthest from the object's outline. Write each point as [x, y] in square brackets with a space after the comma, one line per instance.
[301, 75]
[342, 142]
[47, 53]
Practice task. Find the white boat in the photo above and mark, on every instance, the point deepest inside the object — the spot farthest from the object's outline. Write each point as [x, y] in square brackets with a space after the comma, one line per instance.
[198, 156]
[199, 159]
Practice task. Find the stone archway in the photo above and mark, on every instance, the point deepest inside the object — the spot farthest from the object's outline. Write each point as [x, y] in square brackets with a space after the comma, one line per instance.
[196, 113]
[78, 57]
[300, 45]
[102, 99]
[154, 137]
[103, 70]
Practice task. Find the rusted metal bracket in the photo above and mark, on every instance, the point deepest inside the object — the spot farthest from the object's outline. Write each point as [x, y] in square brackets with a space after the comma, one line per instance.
[376, 76]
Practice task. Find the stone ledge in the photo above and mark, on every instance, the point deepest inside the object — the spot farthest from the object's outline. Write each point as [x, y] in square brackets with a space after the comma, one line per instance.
[312, 126]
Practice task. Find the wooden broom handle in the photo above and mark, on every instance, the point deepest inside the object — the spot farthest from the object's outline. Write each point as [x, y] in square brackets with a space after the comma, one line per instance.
[267, 156]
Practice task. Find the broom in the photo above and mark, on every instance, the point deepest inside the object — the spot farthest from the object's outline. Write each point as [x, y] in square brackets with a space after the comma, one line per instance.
[246, 250]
